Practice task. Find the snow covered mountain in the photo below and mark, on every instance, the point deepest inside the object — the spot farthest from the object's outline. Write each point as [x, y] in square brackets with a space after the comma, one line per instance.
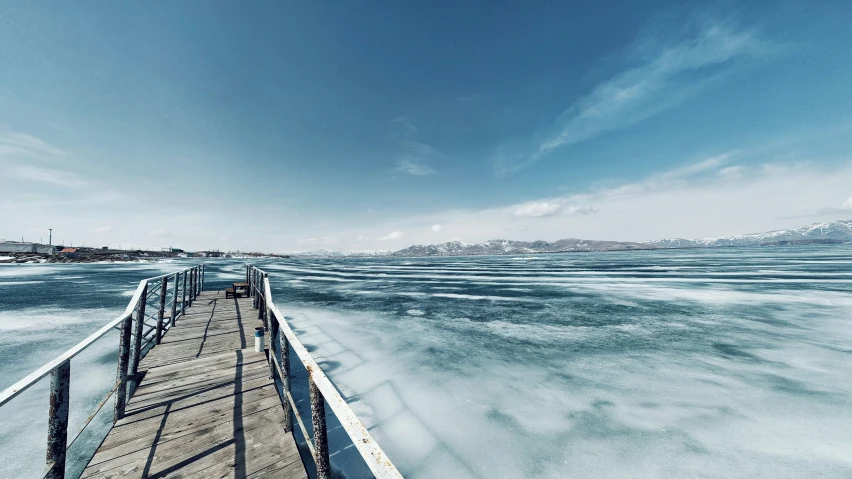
[831, 232]
[501, 246]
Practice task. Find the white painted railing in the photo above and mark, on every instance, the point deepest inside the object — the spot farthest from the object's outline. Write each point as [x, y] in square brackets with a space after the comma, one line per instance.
[186, 285]
[322, 391]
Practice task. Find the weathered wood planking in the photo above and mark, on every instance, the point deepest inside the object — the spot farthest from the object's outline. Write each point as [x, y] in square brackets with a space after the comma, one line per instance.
[205, 407]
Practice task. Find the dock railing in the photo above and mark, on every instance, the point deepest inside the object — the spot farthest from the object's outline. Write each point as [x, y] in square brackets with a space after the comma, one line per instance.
[141, 326]
[321, 390]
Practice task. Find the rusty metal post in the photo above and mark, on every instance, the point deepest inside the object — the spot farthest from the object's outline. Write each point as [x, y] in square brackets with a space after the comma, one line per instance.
[138, 330]
[285, 380]
[264, 280]
[57, 423]
[121, 373]
[261, 302]
[252, 286]
[320, 433]
[183, 295]
[164, 285]
[174, 300]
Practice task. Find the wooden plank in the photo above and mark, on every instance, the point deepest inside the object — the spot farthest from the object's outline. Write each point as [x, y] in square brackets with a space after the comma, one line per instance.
[205, 406]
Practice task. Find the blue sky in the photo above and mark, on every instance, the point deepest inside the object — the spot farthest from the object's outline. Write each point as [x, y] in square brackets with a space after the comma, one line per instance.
[284, 126]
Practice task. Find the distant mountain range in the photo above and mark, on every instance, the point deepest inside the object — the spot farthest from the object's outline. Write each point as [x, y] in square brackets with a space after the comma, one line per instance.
[822, 233]
[501, 246]
[832, 232]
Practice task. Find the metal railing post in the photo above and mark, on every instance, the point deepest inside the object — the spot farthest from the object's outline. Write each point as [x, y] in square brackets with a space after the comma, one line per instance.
[183, 295]
[174, 300]
[320, 434]
[191, 286]
[284, 345]
[253, 287]
[121, 373]
[57, 423]
[203, 269]
[138, 330]
[264, 280]
[164, 285]
[260, 303]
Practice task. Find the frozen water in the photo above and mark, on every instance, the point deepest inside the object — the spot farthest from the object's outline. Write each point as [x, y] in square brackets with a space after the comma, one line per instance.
[721, 363]
[691, 363]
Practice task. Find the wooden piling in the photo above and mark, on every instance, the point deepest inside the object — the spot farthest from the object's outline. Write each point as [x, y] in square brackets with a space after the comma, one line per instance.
[121, 373]
[57, 422]
[164, 285]
[137, 333]
[320, 433]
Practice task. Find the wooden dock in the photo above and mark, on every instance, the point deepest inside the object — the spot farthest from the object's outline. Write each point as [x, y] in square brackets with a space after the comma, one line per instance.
[206, 405]
[202, 403]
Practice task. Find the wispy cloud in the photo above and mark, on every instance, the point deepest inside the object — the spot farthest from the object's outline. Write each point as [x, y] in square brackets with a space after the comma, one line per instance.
[19, 143]
[437, 228]
[413, 166]
[663, 81]
[414, 156]
[403, 121]
[542, 209]
[50, 175]
[102, 229]
[395, 235]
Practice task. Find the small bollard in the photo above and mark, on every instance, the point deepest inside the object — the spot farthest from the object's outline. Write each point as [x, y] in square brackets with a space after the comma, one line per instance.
[258, 340]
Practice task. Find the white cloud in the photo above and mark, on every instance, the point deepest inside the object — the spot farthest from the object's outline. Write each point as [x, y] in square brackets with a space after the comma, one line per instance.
[437, 228]
[406, 123]
[320, 240]
[732, 172]
[362, 238]
[414, 167]
[102, 229]
[414, 156]
[692, 201]
[543, 209]
[395, 235]
[667, 79]
[537, 210]
[50, 175]
[19, 143]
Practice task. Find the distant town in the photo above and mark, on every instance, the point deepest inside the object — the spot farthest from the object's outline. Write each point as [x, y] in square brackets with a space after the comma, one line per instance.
[26, 252]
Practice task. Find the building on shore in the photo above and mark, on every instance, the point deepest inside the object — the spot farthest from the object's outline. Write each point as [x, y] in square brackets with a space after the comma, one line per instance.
[16, 247]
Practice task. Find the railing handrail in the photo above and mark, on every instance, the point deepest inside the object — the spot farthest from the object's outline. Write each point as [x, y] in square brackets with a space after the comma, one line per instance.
[9, 393]
[373, 455]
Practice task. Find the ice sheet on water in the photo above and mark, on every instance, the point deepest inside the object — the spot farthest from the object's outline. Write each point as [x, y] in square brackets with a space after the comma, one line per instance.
[607, 375]
[635, 364]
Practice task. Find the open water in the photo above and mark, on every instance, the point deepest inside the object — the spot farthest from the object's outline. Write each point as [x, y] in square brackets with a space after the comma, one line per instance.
[683, 363]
